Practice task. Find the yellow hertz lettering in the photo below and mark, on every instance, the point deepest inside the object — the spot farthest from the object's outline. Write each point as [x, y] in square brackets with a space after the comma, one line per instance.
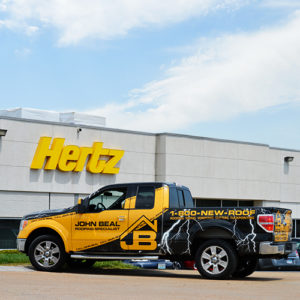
[73, 158]
[142, 239]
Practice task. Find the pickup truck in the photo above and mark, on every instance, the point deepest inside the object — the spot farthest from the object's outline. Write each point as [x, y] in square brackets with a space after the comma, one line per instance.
[156, 220]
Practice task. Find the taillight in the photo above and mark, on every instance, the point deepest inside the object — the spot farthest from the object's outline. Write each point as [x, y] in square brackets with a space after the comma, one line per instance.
[266, 222]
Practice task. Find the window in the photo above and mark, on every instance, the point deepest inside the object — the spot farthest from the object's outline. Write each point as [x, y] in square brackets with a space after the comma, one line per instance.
[296, 228]
[145, 197]
[208, 203]
[246, 203]
[173, 198]
[223, 203]
[9, 229]
[188, 199]
[180, 197]
[109, 199]
[229, 203]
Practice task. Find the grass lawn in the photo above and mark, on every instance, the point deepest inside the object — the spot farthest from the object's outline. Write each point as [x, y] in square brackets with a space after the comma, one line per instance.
[114, 264]
[14, 257]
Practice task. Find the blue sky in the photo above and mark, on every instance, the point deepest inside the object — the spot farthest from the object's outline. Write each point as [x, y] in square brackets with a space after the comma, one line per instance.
[219, 68]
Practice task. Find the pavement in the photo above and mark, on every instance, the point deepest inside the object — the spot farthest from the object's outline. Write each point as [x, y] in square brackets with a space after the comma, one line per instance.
[19, 282]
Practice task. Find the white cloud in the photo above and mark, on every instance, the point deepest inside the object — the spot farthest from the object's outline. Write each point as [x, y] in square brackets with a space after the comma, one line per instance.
[105, 19]
[226, 76]
[22, 52]
[281, 3]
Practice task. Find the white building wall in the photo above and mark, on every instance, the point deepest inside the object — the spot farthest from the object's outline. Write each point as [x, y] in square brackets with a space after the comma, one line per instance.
[15, 204]
[212, 169]
[19, 145]
[230, 170]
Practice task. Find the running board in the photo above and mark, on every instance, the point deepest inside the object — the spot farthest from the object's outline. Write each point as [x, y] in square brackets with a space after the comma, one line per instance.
[104, 257]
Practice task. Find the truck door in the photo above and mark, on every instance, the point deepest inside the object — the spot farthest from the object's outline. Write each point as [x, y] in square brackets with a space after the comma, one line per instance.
[145, 219]
[100, 227]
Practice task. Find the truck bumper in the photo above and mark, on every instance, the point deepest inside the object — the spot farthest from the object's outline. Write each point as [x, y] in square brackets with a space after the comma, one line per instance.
[21, 244]
[270, 248]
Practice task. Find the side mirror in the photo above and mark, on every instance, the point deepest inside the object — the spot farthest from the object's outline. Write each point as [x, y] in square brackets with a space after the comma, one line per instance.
[80, 206]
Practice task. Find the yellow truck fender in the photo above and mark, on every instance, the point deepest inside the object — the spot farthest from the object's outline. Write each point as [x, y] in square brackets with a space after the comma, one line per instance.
[50, 224]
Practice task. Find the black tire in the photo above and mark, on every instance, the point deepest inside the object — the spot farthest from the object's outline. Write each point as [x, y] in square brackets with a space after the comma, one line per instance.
[80, 263]
[47, 253]
[216, 259]
[246, 266]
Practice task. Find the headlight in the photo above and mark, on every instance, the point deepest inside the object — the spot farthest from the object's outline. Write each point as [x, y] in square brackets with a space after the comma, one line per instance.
[23, 224]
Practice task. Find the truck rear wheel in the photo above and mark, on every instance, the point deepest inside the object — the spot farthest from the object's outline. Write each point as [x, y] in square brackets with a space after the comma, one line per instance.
[47, 253]
[216, 259]
[246, 266]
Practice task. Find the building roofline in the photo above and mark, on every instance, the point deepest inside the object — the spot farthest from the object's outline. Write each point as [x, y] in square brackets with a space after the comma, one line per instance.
[145, 133]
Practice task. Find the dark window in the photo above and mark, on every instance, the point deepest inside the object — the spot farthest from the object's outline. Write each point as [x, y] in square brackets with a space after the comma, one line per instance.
[208, 203]
[294, 229]
[188, 199]
[145, 197]
[297, 228]
[246, 203]
[223, 203]
[9, 230]
[229, 203]
[173, 198]
[180, 197]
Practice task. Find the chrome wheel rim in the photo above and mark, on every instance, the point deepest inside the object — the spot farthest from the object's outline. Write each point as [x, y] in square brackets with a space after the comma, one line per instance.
[47, 254]
[214, 260]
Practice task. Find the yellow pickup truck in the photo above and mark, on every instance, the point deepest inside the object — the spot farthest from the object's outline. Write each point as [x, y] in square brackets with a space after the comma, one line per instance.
[155, 220]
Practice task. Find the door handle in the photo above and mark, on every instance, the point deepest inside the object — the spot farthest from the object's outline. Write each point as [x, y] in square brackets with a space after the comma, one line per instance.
[121, 218]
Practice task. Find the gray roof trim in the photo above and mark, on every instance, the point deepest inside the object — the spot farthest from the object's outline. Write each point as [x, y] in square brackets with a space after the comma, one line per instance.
[145, 133]
[284, 149]
[212, 139]
[76, 125]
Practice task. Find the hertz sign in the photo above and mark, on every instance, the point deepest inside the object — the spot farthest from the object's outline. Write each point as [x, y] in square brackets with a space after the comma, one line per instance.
[73, 158]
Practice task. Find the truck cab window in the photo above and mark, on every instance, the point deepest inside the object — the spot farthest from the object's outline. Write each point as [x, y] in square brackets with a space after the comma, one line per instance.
[173, 198]
[189, 203]
[109, 199]
[181, 199]
[145, 197]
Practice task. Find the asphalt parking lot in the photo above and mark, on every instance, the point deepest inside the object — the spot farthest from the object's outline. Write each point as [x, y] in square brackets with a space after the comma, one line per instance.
[25, 283]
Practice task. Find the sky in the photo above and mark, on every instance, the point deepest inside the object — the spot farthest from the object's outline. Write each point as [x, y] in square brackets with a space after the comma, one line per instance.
[227, 69]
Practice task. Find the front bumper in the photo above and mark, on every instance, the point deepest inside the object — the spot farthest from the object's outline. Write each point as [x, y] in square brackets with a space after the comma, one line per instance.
[21, 244]
[270, 248]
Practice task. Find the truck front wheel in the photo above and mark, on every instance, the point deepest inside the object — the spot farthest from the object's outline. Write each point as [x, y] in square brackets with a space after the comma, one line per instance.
[47, 253]
[216, 259]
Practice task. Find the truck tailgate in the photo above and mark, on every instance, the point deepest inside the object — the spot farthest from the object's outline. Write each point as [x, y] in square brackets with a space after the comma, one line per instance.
[282, 225]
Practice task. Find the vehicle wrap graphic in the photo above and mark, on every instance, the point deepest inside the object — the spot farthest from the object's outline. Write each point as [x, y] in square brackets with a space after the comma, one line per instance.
[138, 230]
[239, 223]
[161, 230]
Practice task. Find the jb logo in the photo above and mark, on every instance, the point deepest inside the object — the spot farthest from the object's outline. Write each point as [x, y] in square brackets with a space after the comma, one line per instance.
[141, 239]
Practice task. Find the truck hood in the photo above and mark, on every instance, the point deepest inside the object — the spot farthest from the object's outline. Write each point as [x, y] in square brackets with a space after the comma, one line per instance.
[49, 213]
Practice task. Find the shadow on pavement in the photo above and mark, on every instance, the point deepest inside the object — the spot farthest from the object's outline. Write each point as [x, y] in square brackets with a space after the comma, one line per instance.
[190, 274]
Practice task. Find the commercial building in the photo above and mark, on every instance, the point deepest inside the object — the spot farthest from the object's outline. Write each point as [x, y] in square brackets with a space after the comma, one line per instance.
[48, 160]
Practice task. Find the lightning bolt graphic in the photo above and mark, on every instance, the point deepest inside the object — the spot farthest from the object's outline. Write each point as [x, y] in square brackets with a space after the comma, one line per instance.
[248, 240]
[166, 236]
